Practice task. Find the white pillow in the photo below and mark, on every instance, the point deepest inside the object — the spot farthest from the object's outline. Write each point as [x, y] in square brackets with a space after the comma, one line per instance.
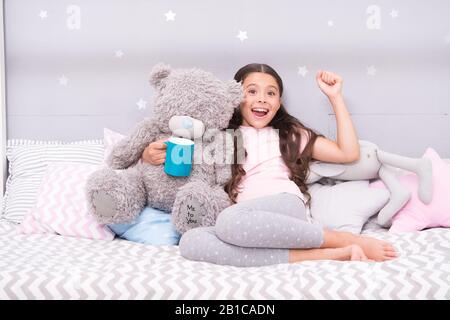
[346, 206]
[110, 138]
[28, 160]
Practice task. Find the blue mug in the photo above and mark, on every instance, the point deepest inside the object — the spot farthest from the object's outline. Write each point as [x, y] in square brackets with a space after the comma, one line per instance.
[179, 154]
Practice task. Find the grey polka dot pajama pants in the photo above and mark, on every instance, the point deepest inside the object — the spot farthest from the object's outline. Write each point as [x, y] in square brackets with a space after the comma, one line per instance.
[254, 232]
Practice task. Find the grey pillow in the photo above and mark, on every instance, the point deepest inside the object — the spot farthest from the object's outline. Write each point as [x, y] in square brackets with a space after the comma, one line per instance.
[346, 206]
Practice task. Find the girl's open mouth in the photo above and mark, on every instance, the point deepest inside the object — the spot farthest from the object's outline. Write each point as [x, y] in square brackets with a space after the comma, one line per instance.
[260, 112]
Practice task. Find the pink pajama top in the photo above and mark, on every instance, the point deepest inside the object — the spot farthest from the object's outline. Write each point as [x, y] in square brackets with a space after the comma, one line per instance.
[266, 172]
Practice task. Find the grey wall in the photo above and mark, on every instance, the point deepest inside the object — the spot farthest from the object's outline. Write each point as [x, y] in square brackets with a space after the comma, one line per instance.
[403, 106]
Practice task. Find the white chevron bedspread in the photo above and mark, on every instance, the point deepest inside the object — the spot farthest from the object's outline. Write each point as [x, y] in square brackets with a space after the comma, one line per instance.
[56, 267]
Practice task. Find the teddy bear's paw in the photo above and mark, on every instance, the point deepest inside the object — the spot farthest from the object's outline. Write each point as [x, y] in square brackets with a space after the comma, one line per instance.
[115, 197]
[105, 206]
[191, 212]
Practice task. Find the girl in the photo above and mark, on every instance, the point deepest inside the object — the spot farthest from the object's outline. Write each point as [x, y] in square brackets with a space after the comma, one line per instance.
[269, 221]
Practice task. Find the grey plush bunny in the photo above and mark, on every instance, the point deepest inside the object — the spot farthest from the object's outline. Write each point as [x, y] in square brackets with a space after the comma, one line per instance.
[375, 163]
[189, 103]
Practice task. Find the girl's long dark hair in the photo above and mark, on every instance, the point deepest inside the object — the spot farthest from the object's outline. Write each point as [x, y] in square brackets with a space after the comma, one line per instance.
[290, 139]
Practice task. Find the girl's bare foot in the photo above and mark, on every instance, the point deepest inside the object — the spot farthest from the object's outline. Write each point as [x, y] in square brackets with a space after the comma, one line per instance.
[356, 253]
[351, 252]
[375, 249]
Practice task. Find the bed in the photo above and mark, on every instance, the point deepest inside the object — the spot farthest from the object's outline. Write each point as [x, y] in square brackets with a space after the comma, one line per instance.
[58, 267]
[63, 265]
[53, 263]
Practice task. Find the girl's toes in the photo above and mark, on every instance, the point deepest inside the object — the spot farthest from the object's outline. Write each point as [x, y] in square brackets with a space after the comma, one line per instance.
[390, 254]
[390, 250]
[388, 247]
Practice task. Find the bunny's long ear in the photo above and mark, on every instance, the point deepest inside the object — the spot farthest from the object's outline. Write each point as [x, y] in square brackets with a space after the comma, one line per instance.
[159, 72]
[235, 92]
[318, 170]
[326, 169]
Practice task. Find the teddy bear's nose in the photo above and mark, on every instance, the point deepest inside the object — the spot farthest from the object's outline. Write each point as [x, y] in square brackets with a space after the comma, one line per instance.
[186, 127]
[187, 123]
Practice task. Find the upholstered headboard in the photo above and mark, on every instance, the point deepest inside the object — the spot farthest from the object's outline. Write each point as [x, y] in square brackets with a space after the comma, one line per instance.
[75, 67]
[3, 167]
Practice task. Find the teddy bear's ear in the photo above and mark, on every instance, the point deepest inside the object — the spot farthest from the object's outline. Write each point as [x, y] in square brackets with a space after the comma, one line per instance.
[158, 74]
[235, 92]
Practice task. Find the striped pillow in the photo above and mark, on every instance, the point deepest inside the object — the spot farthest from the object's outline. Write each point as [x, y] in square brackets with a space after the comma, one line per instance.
[28, 160]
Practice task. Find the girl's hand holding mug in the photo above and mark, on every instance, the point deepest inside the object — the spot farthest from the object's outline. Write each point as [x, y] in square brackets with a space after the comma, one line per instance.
[155, 153]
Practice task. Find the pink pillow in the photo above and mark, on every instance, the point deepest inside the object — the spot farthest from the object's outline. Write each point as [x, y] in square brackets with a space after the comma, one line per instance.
[61, 204]
[416, 215]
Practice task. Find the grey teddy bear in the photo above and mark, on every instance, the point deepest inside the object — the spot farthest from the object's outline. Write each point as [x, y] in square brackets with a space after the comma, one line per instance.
[188, 103]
